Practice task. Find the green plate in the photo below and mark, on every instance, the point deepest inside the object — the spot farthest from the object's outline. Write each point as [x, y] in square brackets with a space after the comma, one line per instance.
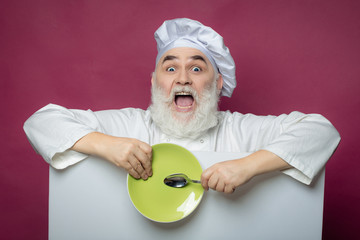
[159, 202]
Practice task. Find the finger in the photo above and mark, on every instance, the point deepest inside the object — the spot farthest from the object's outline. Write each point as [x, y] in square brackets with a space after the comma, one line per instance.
[144, 159]
[131, 171]
[205, 180]
[220, 186]
[145, 147]
[229, 189]
[137, 166]
[213, 181]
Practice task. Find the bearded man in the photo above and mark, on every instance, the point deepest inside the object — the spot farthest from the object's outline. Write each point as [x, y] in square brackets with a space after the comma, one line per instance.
[193, 69]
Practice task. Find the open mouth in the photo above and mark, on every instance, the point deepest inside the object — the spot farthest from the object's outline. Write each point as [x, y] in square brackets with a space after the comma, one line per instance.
[184, 101]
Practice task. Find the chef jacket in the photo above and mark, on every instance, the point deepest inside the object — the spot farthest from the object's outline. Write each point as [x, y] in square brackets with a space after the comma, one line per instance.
[305, 141]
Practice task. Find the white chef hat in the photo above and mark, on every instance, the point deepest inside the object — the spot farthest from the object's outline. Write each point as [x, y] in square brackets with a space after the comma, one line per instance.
[184, 32]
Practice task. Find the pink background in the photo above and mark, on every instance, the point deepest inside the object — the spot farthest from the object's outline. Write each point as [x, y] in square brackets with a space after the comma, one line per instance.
[291, 55]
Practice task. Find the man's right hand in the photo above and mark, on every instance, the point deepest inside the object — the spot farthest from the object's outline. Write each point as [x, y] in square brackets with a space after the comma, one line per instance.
[131, 154]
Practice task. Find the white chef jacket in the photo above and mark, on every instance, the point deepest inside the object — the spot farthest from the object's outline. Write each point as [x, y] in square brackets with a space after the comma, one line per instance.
[305, 141]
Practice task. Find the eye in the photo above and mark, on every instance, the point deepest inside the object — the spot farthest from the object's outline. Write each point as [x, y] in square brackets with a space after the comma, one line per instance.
[170, 69]
[196, 69]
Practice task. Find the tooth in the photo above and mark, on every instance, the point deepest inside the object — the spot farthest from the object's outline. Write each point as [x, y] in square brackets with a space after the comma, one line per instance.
[183, 93]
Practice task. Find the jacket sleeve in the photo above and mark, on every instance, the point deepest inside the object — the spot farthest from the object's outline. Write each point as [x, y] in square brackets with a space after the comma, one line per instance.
[53, 130]
[305, 141]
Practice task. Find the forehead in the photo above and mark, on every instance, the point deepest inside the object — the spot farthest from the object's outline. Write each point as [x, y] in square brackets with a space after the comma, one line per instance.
[184, 53]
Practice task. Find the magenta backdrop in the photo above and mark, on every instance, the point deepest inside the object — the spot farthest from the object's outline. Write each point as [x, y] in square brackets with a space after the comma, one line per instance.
[291, 55]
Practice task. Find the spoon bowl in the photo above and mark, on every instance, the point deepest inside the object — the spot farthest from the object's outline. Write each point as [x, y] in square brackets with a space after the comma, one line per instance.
[179, 180]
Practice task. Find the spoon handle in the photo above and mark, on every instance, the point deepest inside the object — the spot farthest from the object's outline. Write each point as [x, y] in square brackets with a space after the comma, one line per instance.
[196, 181]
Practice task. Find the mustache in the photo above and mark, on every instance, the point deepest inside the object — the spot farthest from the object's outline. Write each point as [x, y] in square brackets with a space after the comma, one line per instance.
[190, 125]
[177, 89]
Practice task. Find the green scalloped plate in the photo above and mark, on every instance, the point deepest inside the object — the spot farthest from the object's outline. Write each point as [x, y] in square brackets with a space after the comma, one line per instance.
[159, 202]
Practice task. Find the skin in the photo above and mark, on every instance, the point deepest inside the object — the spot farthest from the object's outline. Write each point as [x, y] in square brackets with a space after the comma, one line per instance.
[228, 175]
[129, 153]
[181, 66]
[185, 66]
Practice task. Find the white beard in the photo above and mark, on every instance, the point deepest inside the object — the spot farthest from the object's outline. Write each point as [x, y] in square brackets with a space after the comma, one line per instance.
[185, 124]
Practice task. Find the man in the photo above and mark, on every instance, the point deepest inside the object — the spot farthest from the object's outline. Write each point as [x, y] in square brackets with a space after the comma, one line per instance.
[193, 69]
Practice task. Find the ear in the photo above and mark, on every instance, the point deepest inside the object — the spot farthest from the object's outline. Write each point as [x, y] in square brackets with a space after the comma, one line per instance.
[152, 78]
[219, 83]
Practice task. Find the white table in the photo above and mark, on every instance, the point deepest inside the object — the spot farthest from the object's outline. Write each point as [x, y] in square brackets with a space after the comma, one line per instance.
[90, 201]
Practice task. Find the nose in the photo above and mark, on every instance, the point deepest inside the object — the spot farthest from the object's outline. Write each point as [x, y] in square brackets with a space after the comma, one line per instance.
[183, 78]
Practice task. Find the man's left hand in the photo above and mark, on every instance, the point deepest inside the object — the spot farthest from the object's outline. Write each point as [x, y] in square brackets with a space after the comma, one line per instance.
[228, 175]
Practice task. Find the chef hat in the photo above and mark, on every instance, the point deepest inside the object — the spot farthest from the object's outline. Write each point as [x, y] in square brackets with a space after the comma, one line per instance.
[183, 32]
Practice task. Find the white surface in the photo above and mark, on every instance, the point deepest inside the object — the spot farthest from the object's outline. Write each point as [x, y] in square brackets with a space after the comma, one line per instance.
[90, 201]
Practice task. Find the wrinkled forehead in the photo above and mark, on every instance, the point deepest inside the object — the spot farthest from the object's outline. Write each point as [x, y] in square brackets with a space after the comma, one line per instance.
[186, 43]
[184, 53]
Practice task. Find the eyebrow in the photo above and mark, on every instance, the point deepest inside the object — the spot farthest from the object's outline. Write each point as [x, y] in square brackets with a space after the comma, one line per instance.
[172, 57]
[198, 57]
[169, 58]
